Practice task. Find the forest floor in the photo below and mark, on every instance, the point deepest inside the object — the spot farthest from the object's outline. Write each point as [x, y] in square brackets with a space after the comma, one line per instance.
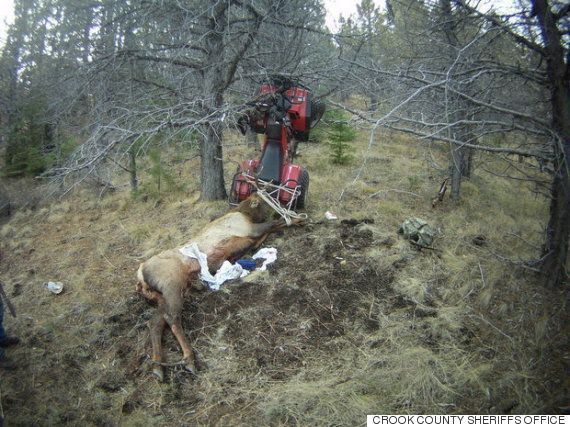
[350, 320]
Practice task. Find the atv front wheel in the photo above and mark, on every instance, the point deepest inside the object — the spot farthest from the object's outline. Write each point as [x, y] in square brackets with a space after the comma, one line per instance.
[303, 196]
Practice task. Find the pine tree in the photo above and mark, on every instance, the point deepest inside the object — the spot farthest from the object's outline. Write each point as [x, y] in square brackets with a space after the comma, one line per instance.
[341, 134]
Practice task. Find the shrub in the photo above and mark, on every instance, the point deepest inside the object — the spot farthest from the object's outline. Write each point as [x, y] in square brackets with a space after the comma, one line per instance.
[162, 179]
[341, 152]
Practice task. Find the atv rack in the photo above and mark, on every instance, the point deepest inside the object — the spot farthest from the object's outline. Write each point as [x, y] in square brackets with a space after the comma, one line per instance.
[289, 190]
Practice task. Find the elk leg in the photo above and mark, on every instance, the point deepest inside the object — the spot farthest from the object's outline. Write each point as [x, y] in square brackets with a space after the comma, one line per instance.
[156, 326]
[187, 352]
[260, 241]
[261, 231]
[174, 303]
[263, 228]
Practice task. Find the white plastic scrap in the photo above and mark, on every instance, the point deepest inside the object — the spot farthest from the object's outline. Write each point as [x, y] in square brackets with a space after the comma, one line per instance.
[54, 287]
[330, 215]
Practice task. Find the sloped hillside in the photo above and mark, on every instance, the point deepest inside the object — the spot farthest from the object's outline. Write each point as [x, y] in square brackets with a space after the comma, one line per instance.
[351, 319]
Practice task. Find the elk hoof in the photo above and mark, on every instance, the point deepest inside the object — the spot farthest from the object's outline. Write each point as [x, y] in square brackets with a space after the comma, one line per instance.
[158, 373]
[190, 366]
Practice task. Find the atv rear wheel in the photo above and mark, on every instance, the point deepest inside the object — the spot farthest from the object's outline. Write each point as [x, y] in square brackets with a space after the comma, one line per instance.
[303, 196]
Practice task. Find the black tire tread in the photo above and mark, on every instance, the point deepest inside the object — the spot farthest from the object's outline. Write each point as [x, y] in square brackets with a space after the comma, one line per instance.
[304, 183]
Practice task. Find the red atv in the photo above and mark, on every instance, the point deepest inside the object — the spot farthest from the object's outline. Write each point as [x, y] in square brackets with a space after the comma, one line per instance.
[285, 112]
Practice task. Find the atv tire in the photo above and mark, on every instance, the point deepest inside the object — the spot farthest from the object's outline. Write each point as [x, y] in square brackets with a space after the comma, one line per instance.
[304, 183]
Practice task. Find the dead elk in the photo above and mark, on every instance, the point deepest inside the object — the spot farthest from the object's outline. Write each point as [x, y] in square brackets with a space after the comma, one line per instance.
[166, 277]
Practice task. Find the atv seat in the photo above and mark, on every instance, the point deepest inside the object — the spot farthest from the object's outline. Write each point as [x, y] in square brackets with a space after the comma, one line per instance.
[270, 163]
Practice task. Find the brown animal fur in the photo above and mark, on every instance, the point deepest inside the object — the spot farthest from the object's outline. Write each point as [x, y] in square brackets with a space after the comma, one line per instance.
[166, 278]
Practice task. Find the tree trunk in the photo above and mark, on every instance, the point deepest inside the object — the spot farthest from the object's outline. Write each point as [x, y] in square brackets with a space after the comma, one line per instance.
[458, 154]
[555, 250]
[373, 102]
[212, 184]
[467, 163]
[13, 82]
[456, 165]
[133, 169]
[212, 168]
[86, 35]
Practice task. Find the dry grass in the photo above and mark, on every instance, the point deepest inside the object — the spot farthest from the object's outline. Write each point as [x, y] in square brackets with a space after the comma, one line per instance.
[351, 320]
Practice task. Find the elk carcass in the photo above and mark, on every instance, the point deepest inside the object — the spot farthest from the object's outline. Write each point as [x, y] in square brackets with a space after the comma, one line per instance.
[165, 278]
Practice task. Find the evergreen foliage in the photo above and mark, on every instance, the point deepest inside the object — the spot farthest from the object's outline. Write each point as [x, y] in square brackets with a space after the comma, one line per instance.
[162, 179]
[341, 133]
[29, 144]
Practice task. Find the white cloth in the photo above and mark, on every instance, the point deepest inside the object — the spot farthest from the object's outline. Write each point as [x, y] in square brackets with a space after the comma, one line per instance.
[269, 254]
[227, 271]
